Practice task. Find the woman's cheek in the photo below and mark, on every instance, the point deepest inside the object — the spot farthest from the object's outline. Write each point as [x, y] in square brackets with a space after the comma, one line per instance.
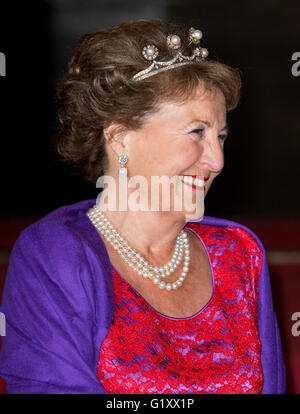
[192, 153]
[209, 183]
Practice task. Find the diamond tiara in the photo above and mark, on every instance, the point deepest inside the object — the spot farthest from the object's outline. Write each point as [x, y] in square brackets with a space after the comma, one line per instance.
[151, 52]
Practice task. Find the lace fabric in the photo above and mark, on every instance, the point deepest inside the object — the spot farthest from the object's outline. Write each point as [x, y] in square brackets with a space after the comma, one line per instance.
[215, 351]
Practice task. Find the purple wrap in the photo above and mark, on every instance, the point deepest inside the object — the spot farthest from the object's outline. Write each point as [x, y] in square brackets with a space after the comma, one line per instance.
[58, 302]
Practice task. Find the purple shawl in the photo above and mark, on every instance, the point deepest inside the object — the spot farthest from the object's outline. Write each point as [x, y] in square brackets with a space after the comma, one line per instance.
[58, 302]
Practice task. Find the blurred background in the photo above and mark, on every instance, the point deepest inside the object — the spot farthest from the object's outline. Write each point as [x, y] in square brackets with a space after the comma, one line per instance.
[258, 186]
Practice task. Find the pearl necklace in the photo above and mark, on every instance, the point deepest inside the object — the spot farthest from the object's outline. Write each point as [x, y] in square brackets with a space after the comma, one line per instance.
[136, 261]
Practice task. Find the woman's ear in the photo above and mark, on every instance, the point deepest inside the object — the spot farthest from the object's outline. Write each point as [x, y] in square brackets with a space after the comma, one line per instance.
[115, 137]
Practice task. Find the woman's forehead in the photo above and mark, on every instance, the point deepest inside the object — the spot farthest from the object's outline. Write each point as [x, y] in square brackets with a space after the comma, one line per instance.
[207, 103]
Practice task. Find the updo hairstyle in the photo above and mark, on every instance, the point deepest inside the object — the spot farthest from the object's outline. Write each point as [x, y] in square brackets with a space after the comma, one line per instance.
[98, 88]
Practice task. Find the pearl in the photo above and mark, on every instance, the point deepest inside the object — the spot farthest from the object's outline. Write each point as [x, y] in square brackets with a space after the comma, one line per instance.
[204, 52]
[136, 261]
[174, 41]
[197, 34]
[123, 171]
[150, 52]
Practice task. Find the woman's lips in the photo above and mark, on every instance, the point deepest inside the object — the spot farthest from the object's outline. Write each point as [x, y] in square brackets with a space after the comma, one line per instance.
[196, 176]
[194, 181]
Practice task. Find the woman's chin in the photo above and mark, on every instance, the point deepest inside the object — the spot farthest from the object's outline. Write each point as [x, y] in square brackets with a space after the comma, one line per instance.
[194, 215]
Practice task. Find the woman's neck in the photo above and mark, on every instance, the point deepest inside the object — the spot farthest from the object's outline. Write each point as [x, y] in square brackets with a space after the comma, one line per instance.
[152, 233]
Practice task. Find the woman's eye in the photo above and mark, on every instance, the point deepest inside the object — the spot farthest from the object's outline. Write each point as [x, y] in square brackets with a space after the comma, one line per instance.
[198, 131]
[223, 137]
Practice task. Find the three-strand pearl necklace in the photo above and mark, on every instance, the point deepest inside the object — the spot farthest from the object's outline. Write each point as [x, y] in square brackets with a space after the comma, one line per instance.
[139, 264]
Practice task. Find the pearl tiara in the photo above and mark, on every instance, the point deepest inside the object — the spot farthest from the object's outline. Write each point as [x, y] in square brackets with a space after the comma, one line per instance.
[150, 52]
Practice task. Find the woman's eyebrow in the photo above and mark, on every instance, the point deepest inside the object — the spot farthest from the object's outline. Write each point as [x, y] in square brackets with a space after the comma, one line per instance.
[208, 124]
[225, 129]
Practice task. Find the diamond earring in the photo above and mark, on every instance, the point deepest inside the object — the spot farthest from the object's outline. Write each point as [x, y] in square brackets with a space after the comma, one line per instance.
[122, 169]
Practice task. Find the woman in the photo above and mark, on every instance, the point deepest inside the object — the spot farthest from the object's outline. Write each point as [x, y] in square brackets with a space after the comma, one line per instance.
[160, 299]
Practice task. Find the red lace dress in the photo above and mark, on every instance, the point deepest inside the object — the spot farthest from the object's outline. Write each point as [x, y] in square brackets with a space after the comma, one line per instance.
[215, 351]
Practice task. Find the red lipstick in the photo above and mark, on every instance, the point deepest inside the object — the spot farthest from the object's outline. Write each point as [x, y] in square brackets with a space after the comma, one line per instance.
[197, 176]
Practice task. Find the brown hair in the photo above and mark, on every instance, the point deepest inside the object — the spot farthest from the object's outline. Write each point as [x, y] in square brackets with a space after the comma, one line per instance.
[98, 89]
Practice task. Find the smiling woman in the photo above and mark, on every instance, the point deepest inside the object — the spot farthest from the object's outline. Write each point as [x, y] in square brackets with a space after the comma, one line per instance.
[192, 147]
[99, 89]
[147, 301]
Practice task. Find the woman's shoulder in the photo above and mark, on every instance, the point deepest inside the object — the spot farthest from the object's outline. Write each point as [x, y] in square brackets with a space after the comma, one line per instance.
[65, 239]
[228, 230]
[63, 226]
[232, 244]
[61, 248]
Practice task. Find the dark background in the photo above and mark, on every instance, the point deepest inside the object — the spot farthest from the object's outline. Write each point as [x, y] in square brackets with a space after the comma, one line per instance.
[262, 165]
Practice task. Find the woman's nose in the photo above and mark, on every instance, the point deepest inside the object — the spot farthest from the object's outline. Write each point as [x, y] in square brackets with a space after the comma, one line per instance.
[213, 156]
